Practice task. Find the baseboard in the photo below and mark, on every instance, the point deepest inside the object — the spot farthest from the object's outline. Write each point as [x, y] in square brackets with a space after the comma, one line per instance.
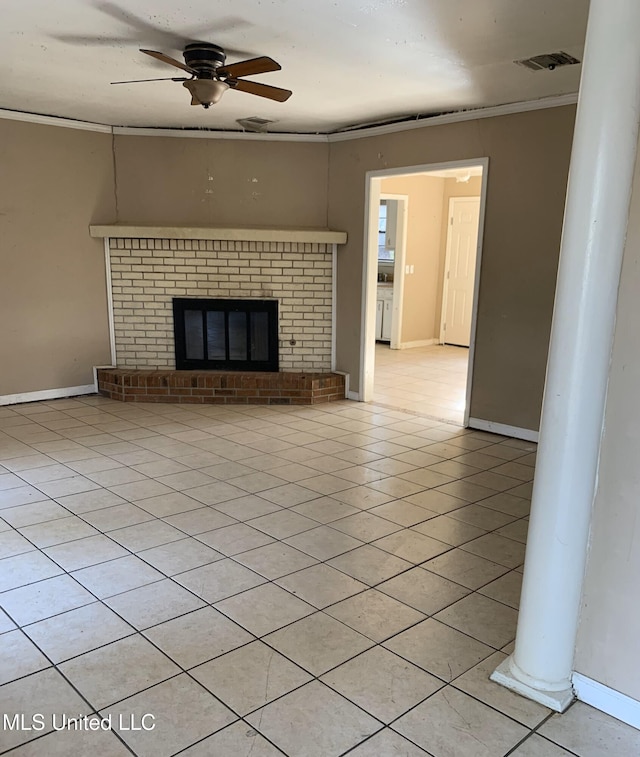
[607, 700]
[347, 377]
[353, 396]
[47, 394]
[97, 368]
[419, 343]
[526, 434]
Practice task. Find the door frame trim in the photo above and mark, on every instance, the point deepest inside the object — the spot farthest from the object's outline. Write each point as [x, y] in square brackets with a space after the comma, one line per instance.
[369, 269]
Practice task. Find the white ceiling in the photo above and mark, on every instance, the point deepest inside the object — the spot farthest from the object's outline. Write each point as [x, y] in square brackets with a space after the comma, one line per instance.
[347, 61]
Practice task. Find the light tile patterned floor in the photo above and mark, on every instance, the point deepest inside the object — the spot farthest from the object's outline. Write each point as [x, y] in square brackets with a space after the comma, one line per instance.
[267, 581]
[431, 380]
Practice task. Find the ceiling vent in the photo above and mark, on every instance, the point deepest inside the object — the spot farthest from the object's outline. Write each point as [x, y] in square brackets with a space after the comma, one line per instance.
[254, 123]
[548, 61]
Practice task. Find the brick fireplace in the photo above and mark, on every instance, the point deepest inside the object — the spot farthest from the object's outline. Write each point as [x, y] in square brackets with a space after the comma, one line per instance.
[150, 267]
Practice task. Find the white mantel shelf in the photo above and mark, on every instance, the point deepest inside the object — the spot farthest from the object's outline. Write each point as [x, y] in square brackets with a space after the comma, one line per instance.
[221, 233]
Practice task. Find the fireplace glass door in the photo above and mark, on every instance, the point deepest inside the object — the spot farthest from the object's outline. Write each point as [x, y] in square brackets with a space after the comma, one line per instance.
[235, 335]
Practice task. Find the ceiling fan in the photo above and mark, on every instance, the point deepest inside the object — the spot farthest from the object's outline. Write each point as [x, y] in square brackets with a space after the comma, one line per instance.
[210, 77]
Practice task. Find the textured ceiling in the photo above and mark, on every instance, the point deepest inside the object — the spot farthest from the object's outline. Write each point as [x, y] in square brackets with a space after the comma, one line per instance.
[347, 61]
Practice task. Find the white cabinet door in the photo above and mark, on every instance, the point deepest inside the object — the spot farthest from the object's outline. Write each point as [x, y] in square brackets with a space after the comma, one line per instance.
[379, 311]
[386, 319]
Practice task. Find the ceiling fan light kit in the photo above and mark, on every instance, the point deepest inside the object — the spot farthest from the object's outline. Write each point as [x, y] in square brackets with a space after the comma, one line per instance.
[211, 78]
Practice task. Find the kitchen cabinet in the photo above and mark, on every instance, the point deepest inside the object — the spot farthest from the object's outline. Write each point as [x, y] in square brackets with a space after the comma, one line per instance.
[384, 312]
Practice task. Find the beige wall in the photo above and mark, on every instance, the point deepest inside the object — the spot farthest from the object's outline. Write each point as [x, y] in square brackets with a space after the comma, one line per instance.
[168, 180]
[424, 227]
[55, 182]
[528, 164]
[609, 633]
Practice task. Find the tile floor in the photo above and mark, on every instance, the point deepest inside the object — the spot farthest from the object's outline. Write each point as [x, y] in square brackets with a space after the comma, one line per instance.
[432, 378]
[266, 581]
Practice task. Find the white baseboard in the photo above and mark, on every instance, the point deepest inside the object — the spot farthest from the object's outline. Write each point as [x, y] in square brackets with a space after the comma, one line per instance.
[347, 378]
[607, 700]
[47, 394]
[353, 396]
[97, 368]
[528, 435]
[419, 343]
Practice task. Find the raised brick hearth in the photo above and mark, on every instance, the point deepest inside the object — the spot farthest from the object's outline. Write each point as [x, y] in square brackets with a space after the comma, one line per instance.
[218, 387]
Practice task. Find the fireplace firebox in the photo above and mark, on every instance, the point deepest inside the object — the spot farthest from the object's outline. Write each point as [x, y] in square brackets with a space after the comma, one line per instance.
[231, 335]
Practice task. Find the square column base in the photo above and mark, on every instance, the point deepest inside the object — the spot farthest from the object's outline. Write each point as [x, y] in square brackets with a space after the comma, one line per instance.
[558, 701]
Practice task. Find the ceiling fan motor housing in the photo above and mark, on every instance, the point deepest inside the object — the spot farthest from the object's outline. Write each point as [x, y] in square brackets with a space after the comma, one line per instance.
[204, 58]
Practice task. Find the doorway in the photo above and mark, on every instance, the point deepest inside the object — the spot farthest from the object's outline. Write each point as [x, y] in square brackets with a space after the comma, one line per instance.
[425, 362]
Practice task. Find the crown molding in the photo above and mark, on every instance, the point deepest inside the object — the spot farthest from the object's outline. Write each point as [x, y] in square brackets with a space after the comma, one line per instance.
[66, 123]
[360, 132]
[140, 131]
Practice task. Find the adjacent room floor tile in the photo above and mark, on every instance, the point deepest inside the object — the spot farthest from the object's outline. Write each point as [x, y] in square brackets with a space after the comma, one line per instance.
[250, 677]
[313, 722]
[83, 553]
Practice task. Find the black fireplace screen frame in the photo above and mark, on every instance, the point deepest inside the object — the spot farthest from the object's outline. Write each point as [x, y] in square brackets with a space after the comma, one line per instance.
[186, 363]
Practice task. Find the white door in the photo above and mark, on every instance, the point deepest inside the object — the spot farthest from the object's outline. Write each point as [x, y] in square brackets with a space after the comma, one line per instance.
[460, 268]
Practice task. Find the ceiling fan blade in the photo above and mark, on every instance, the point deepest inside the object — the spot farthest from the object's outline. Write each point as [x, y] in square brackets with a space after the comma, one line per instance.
[137, 81]
[167, 59]
[248, 67]
[262, 90]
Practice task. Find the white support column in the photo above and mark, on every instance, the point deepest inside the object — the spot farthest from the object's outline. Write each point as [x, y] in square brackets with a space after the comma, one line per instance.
[593, 237]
